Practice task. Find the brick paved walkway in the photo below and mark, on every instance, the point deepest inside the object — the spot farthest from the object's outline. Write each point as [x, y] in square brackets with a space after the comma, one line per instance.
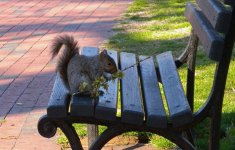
[26, 73]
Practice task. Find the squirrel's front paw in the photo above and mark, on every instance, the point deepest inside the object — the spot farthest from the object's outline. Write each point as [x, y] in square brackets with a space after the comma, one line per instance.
[107, 76]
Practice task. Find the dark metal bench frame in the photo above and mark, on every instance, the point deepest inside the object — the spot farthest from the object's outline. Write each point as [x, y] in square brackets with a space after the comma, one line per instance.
[205, 29]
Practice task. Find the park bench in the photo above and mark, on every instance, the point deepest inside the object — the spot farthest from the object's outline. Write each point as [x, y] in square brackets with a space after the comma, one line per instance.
[142, 106]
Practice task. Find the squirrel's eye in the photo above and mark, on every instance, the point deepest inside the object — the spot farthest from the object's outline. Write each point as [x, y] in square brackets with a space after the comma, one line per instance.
[109, 64]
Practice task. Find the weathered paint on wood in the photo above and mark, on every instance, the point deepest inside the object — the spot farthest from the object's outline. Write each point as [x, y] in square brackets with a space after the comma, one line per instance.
[82, 105]
[155, 112]
[132, 109]
[179, 109]
[59, 100]
[216, 13]
[212, 42]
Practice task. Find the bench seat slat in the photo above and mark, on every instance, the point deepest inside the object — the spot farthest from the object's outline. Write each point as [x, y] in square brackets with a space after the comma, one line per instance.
[154, 108]
[107, 104]
[84, 105]
[59, 100]
[211, 40]
[216, 13]
[179, 109]
[132, 109]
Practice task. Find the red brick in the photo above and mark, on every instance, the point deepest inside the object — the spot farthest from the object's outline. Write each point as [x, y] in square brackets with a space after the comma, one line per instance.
[14, 91]
[3, 112]
[5, 108]
[8, 143]
[5, 82]
[35, 143]
[18, 111]
[43, 100]
[8, 98]
[16, 69]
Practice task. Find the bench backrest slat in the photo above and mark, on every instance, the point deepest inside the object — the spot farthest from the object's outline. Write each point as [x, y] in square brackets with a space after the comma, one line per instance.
[211, 40]
[84, 105]
[154, 109]
[106, 107]
[216, 13]
[132, 111]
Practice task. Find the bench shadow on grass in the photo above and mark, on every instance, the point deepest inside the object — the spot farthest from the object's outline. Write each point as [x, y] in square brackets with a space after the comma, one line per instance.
[139, 44]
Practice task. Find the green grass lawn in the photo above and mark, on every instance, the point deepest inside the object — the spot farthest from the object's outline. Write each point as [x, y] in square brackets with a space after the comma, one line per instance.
[154, 26]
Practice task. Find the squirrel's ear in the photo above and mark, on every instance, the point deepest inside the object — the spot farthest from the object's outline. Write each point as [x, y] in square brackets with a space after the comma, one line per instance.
[102, 54]
[105, 52]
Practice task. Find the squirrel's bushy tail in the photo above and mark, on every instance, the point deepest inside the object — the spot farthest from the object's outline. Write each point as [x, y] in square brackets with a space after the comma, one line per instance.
[70, 50]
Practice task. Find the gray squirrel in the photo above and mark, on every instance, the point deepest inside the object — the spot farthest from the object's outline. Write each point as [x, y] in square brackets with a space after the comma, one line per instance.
[75, 69]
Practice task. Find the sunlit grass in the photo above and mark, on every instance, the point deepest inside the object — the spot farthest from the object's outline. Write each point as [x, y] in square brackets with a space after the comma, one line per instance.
[149, 26]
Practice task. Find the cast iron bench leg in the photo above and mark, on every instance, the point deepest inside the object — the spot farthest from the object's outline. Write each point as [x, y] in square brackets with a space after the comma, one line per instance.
[106, 136]
[47, 127]
[116, 130]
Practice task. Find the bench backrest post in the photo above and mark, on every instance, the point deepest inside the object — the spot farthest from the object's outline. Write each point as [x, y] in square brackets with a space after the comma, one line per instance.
[223, 65]
[219, 85]
[214, 24]
[191, 59]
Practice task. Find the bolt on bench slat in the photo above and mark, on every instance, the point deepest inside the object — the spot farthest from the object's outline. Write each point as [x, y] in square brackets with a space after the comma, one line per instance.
[132, 109]
[179, 109]
[106, 107]
[154, 108]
